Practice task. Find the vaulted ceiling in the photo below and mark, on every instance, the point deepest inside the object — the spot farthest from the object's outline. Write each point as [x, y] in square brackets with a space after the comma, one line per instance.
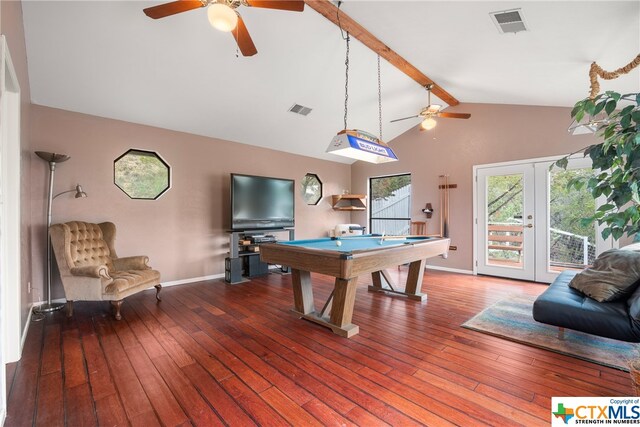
[108, 59]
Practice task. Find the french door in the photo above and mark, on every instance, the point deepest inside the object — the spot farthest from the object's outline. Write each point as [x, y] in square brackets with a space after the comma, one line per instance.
[528, 223]
[10, 248]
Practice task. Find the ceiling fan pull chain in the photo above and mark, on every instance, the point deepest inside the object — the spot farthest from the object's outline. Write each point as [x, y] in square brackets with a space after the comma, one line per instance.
[346, 82]
[379, 99]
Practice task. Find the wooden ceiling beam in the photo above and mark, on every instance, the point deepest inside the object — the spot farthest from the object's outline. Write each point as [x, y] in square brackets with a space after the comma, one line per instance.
[330, 11]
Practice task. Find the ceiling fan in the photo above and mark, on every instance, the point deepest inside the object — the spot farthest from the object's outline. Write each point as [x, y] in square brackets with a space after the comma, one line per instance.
[223, 15]
[433, 110]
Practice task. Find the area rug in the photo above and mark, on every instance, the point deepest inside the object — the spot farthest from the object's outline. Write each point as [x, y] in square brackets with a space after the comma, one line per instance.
[511, 319]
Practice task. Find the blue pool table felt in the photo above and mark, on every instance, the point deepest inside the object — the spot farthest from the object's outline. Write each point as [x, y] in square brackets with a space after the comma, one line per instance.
[351, 244]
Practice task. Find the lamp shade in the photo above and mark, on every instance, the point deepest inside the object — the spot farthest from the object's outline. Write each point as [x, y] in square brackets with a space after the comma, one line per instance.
[428, 123]
[79, 192]
[352, 144]
[222, 17]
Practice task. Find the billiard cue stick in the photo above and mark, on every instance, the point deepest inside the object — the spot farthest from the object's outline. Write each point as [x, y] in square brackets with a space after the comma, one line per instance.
[448, 198]
[385, 236]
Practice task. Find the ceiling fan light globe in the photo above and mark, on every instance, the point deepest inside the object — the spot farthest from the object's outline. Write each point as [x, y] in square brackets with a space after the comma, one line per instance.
[222, 17]
[428, 123]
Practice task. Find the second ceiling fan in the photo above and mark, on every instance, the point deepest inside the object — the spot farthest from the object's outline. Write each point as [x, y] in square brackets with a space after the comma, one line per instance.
[223, 15]
[433, 110]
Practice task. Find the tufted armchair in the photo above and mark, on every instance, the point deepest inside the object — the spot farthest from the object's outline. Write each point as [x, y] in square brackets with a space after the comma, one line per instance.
[90, 269]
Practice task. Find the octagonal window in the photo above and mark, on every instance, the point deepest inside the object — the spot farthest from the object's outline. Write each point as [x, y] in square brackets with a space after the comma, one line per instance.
[311, 189]
[142, 174]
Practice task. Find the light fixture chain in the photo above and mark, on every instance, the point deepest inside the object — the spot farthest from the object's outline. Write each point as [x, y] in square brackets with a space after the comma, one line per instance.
[346, 82]
[379, 100]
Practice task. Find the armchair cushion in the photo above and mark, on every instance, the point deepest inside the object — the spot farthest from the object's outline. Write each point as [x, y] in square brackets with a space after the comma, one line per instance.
[125, 281]
[86, 245]
[131, 263]
[91, 271]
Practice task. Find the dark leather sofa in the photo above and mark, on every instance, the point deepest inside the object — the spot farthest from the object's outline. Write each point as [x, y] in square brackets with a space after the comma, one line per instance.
[565, 307]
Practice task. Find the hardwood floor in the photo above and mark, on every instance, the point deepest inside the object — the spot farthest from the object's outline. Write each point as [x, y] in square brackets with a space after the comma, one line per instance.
[213, 354]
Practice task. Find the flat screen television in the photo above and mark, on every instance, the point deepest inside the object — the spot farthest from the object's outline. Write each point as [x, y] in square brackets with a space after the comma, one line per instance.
[259, 202]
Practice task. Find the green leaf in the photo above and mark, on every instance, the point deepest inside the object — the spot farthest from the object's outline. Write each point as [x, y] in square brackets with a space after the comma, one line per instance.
[617, 233]
[589, 107]
[579, 115]
[606, 207]
[610, 106]
[625, 122]
[576, 108]
[606, 233]
[562, 163]
[586, 222]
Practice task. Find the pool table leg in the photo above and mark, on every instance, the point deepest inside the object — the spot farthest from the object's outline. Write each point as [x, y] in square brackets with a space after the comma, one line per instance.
[302, 292]
[383, 283]
[414, 280]
[344, 298]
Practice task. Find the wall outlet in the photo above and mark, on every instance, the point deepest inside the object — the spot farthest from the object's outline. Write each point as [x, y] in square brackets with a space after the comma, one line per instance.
[453, 248]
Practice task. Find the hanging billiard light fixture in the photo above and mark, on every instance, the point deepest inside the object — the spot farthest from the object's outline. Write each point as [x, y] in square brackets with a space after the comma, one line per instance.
[357, 144]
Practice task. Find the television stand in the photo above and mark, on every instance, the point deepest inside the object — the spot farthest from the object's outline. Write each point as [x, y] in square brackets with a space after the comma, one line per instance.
[244, 254]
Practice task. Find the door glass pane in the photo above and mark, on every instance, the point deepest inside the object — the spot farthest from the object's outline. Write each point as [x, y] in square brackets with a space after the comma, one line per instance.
[571, 244]
[390, 205]
[390, 227]
[505, 205]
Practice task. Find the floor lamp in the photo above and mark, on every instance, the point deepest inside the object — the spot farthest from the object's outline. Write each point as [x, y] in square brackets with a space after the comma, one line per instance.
[53, 159]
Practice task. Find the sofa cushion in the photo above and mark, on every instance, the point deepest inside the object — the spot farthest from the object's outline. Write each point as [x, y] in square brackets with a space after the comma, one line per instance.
[634, 305]
[615, 274]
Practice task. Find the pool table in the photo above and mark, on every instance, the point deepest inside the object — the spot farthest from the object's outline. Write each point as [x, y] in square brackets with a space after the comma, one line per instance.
[345, 259]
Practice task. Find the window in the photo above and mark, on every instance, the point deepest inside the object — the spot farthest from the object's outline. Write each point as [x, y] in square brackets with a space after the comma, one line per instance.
[311, 189]
[390, 207]
[142, 174]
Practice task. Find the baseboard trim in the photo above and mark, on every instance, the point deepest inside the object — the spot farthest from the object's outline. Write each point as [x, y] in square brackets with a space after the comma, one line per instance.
[192, 280]
[25, 330]
[449, 269]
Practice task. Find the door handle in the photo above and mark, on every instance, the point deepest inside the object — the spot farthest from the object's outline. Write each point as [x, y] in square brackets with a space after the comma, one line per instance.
[529, 225]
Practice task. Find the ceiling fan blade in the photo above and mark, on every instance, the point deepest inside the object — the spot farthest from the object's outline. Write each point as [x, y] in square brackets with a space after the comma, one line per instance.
[172, 8]
[405, 118]
[243, 39]
[454, 115]
[292, 5]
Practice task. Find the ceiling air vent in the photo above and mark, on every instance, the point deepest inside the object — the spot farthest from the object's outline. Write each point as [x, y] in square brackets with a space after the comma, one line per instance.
[300, 109]
[509, 21]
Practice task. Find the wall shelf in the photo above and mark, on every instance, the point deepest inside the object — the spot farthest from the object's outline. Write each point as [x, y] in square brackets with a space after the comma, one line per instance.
[349, 202]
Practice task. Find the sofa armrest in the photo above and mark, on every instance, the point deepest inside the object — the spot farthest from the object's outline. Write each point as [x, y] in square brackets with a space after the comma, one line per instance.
[131, 263]
[98, 271]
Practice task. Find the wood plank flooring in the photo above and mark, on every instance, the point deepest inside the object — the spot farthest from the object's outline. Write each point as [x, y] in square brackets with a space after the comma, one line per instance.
[214, 354]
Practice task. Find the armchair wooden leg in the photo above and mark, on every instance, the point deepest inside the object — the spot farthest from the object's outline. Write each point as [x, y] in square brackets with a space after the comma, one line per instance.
[117, 305]
[69, 308]
[158, 289]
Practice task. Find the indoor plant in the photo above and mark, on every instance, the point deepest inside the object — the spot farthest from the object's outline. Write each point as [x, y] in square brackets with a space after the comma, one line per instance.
[615, 162]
